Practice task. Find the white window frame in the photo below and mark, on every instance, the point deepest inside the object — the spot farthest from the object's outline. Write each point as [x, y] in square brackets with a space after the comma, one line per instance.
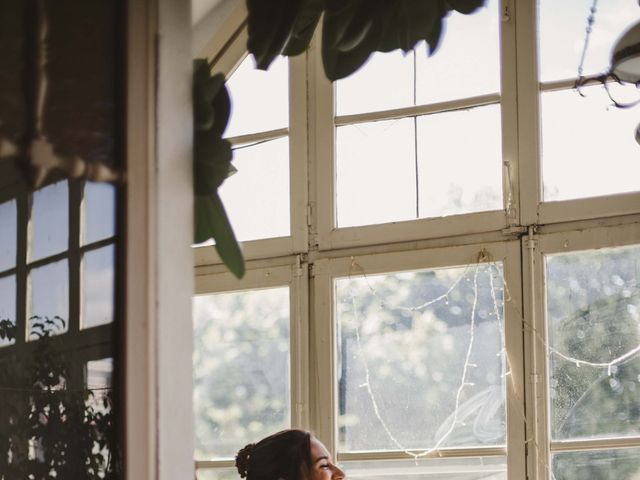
[526, 229]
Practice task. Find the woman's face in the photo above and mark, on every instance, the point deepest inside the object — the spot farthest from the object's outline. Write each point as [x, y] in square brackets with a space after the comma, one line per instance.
[322, 467]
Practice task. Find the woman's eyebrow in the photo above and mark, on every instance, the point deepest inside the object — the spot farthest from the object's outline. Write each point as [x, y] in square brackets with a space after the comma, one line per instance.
[321, 458]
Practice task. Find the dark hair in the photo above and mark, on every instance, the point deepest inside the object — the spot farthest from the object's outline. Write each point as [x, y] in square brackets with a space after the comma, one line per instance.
[284, 455]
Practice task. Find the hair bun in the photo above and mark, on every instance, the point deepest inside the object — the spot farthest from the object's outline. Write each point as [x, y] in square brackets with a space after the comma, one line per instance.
[242, 459]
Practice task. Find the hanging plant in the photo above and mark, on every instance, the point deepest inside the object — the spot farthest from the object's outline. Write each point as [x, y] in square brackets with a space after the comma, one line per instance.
[351, 29]
[212, 164]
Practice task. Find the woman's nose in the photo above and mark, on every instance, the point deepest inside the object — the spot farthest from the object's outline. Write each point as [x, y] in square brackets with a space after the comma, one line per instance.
[338, 474]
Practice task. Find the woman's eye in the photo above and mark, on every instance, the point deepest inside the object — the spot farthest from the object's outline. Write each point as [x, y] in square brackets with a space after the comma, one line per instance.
[324, 466]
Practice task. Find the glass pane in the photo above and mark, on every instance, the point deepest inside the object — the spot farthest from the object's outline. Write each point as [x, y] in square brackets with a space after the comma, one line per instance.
[256, 197]
[7, 310]
[49, 221]
[260, 100]
[561, 32]
[395, 80]
[217, 474]
[8, 234]
[588, 147]
[98, 286]
[469, 468]
[468, 60]
[98, 411]
[375, 173]
[98, 376]
[420, 361]
[99, 212]
[48, 300]
[240, 369]
[383, 83]
[623, 464]
[460, 175]
[593, 309]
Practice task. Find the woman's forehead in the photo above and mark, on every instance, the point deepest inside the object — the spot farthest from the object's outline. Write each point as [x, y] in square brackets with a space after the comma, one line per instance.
[318, 450]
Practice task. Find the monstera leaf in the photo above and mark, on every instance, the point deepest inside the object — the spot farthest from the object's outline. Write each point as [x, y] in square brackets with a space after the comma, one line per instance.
[351, 31]
[212, 165]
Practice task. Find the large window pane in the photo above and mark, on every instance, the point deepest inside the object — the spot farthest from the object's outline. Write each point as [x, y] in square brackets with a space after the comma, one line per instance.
[8, 235]
[622, 464]
[7, 310]
[395, 80]
[99, 212]
[460, 162]
[588, 147]
[413, 346]
[50, 221]
[98, 286]
[257, 196]
[470, 468]
[49, 300]
[260, 100]
[561, 33]
[240, 369]
[593, 309]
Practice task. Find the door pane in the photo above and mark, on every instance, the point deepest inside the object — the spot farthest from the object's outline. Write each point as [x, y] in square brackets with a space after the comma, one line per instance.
[98, 286]
[241, 368]
[49, 221]
[593, 310]
[469, 468]
[7, 310]
[49, 300]
[421, 361]
[99, 212]
[8, 235]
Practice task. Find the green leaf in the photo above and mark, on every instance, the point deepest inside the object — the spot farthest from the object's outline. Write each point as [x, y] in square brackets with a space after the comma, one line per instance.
[304, 25]
[211, 161]
[269, 25]
[466, 6]
[211, 221]
[221, 104]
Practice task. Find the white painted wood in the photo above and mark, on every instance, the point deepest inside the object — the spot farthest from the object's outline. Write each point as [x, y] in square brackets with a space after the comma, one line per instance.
[173, 230]
[588, 208]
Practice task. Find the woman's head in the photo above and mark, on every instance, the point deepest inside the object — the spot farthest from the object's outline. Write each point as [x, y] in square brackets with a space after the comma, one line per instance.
[287, 455]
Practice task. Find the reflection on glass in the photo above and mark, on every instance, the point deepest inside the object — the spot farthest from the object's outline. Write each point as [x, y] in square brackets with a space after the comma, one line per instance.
[260, 99]
[98, 287]
[7, 310]
[49, 221]
[588, 147]
[620, 464]
[98, 378]
[241, 369]
[460, 162]
[467, 62]
[99, 211]
[593, 310]
[257, 196]
[561, 33]
[465, 65]
[48, 300]
[375, 173]
[8, 235]
[403, 340]
[464, 468]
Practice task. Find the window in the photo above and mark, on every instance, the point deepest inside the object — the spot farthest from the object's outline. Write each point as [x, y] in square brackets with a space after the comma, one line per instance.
[455, 291]
[57, 314]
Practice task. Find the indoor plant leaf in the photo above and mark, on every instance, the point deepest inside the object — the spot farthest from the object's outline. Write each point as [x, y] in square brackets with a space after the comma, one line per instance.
[466, 6]
[303, 27]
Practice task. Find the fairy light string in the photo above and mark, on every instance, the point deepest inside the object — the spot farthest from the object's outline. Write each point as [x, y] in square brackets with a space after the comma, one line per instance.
[493, 272]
